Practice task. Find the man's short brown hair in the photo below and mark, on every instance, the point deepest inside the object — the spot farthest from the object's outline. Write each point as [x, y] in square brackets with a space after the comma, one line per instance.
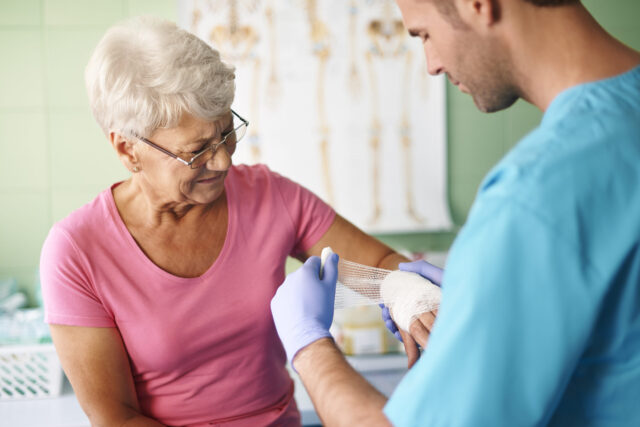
[449, 11]
[551, 2]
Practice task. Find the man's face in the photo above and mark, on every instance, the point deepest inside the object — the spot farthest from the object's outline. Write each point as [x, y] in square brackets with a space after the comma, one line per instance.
[477, 65]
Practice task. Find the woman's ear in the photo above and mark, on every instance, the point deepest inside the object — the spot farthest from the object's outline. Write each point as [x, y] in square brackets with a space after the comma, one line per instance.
[125, 149]
[479, 14]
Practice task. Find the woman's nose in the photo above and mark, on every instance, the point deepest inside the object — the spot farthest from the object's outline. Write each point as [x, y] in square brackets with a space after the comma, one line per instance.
[220, 161]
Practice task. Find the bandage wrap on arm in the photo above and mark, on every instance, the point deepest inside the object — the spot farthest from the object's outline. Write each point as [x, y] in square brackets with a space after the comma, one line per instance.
[406, 294]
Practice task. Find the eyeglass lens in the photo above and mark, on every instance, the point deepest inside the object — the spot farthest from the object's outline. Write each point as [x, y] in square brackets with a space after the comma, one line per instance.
[231, 139]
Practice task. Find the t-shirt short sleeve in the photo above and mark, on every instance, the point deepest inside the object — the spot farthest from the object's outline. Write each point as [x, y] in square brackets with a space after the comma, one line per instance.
[311, 216]
[70, 299]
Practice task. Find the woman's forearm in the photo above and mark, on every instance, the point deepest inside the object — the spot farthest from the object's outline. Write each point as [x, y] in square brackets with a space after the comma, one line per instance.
[141, 421]
[114, 414]
[391, 260]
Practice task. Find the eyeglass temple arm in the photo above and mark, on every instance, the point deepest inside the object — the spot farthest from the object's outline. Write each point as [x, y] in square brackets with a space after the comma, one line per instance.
[167, 152]
[170, 154]
[245, 121]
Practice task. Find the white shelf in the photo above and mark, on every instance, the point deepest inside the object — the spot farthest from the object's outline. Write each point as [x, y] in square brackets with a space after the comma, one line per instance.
[379, 362]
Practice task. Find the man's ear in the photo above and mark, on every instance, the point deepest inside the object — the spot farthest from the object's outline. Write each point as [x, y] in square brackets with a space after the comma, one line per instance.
[479, 14]
[124, 149]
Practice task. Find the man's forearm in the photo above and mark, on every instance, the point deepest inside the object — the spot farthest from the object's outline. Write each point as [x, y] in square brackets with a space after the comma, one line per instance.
[340, 395]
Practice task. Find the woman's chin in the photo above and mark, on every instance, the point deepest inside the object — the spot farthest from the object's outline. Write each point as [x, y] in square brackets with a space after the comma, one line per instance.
[205, 196]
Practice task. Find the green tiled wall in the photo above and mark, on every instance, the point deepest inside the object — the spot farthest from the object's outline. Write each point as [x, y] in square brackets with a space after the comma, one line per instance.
[53, 157]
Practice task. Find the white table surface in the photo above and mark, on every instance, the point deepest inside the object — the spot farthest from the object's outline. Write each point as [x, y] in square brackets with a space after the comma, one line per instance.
[384, 372]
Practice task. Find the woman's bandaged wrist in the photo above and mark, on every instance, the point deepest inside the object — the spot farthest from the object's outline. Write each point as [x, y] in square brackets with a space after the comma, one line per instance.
[408, 295]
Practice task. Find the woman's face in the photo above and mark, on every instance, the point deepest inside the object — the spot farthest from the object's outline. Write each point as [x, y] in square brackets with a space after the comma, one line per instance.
[170, 180]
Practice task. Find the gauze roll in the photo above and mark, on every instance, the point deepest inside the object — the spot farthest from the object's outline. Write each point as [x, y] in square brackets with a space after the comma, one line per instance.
[408, 295]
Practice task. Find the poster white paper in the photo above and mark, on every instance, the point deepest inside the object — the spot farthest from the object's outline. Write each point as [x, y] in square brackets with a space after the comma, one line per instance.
[338, 99]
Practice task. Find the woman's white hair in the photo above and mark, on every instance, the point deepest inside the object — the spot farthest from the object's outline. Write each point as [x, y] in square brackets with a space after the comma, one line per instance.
[146, 73]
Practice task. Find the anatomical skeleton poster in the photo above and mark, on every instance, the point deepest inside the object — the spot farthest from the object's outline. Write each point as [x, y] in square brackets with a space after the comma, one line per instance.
[339, 100]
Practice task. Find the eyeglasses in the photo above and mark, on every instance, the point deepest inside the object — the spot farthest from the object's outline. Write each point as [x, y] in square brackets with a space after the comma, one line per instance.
[197, 159]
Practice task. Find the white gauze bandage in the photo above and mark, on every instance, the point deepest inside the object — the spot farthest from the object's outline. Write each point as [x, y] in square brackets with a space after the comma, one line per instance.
[406, 294]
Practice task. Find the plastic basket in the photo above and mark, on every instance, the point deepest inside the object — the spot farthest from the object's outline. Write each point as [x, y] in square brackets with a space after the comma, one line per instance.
[29, 372]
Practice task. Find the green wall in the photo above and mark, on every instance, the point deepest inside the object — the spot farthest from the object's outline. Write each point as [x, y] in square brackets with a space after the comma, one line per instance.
[53, 157]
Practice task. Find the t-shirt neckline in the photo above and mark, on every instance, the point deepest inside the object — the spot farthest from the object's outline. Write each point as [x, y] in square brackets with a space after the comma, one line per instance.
[139, 253]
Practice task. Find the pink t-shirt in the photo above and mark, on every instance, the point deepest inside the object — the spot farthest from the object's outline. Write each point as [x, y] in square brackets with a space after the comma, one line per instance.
[203, 350]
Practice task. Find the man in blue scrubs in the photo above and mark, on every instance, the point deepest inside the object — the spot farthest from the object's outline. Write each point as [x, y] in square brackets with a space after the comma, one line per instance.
[540, 315]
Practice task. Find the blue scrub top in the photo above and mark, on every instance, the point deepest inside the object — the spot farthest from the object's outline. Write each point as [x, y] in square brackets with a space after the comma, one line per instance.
[540, 315]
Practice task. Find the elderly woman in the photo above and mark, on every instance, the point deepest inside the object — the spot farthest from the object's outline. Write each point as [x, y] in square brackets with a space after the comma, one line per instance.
[158, 291]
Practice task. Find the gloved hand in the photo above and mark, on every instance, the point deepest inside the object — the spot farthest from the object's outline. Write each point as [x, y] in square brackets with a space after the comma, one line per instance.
[389, 323]
[419, 330]
[426, 270]
[302, 308]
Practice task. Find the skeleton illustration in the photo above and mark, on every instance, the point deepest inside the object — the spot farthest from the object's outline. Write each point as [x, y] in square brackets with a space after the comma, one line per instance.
[237, 43]
[273, 84]
[321, 50]
[376, 67]
[353, 82]
[387, 40]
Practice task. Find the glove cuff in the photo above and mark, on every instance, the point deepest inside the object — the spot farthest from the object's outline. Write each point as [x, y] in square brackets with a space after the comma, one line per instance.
[302, 337]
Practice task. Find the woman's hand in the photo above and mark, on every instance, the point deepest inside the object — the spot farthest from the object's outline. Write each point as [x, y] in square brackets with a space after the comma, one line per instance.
[416, 337]
[420, 329]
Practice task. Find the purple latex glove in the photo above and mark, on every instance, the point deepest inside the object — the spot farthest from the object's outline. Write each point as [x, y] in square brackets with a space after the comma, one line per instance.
[302, 308]
[389, 323]
[423, 268]
[426, 270]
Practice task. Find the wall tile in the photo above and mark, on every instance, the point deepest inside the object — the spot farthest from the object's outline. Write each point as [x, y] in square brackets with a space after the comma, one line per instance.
[520, 119]
[20, 12]
[627, 35]
[615, 13]
[23, 151]
[21, 77]
[84, 13]
[67, 53]
[24, 223]
[475, 145]
[81, 156]
[167, 9]
[458, 102]
[475, 142]
[63, 202]
[462, 195]
[420, 242]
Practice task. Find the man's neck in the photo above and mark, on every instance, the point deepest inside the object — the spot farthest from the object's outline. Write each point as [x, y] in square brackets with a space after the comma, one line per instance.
[555, 48]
